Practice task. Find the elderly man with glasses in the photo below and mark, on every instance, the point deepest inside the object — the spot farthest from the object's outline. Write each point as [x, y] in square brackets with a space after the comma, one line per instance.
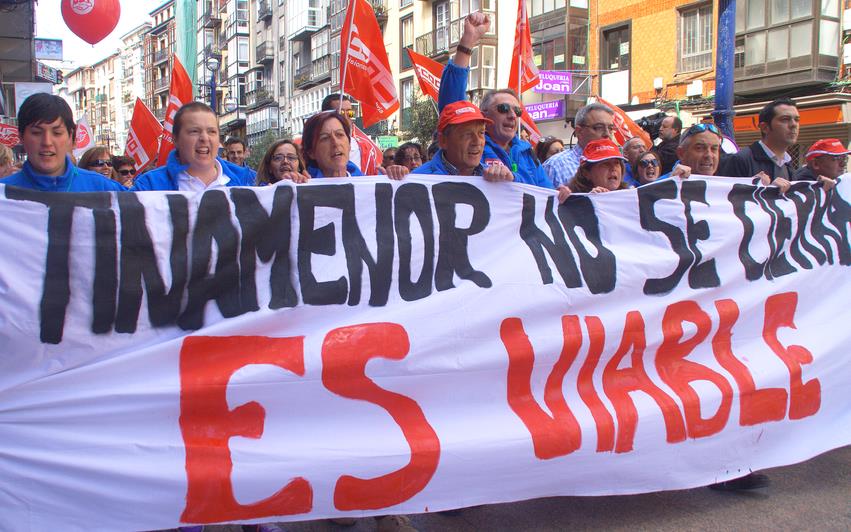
[503, 145]
[593, 122]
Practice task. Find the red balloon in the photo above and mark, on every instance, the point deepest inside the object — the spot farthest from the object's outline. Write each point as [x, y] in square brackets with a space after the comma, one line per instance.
[91, 20]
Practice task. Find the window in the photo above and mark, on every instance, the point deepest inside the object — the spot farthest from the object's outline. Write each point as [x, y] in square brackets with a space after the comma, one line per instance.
[406, 37]
[406, 91]
[695, 39]
[540, 7]
[405, 3]
[550, 54]
[616, 49]
[242, 49]
[441, 26]
[482, 68]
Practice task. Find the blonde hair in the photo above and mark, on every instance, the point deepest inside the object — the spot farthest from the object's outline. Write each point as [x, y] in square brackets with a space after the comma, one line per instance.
[6, 155]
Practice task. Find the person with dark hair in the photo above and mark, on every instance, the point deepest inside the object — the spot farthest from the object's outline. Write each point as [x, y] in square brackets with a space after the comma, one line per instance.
[778, 125]
[501, 107]
[410, 155]
[46, 127]
[669, 131]
[124, 169]
[282, 161]
[547, 147]
[193, 164]
[432, 150]
[601, 168]
[632, 149]
[388, 156]
[646, 168]
[97, 159]
[326, 141]
[461, 137]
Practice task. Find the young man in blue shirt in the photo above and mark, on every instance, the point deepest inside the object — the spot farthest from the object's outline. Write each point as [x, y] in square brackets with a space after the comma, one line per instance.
[47, 129]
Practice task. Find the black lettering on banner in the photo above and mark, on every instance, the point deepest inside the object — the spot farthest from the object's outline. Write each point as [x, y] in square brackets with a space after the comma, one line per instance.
[212, 223]
[357, 253]
[804, 206]
[265, 236]
[56, 292]
[738, 196]
[319, 241]
[700, 274]
[413, 198]
[647, 197]
[600, 271]
[839, 214]
[819, 229]
[557, 249]
[139, 262]
[779, 232]
[106, 271]
[453, 257]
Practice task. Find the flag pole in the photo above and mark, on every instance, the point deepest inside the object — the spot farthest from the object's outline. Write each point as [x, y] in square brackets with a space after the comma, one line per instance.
[520, 61]
[344, 57]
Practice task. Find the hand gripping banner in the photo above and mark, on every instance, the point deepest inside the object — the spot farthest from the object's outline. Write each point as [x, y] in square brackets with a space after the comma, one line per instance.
[366, 347]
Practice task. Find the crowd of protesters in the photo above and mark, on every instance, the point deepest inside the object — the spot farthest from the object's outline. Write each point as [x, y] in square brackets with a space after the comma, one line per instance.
[470, 140]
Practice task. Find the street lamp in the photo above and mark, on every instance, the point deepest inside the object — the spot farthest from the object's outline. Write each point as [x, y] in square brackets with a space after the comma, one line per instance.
[213, 66]
[230, 104]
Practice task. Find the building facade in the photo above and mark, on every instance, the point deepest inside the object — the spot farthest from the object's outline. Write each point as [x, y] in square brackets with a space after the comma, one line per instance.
[267, 69]
[159, 57]
[131, 76]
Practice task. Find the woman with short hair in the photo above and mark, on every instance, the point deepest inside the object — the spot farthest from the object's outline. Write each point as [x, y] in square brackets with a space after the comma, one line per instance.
[326, 140]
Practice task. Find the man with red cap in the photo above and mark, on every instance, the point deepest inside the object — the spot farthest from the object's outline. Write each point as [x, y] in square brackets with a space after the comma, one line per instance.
[461, 138]
[826, 159]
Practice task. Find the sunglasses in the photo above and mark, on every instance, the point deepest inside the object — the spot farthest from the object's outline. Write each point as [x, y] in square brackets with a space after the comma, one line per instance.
[505, 108]
[700, 128]
[101, 162]
[348, 112]
[125, 172]
[648, 162]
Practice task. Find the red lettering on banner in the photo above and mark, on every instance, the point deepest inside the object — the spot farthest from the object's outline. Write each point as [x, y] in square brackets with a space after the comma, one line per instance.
[206, 422]
[345, 352]
[618, 383]
[804, 397]
[585, 384]
[555, 435]
[678, 373]
[755, 405]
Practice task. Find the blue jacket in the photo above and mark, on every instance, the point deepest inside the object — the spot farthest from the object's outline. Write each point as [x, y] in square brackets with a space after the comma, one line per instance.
[73, 180]
[351, 168]
[165, 177]
[520, 157]
[437, 166]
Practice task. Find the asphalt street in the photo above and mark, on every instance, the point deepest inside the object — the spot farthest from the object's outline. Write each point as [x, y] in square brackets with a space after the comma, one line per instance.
[813, 495]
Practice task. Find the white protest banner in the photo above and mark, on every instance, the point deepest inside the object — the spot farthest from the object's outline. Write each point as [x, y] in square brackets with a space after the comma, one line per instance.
[366, 347]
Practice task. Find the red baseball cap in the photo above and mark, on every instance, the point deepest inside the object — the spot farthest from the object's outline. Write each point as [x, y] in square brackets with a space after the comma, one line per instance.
[826, 147]
[600, 150]
[459, 113]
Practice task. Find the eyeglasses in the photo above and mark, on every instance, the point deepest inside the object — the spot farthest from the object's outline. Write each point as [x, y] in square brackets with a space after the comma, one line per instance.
[699, 128]
[505, 108]
[648, 162]
[126, 172]
[101, 162]
[278, 158]
[602, 129]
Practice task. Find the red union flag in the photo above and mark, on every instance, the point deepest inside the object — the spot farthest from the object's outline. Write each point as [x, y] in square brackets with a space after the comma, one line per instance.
[366, 71]
[143, 139]
[428, 73]
[530, 126]
[521, 59]
[9, 135]
[179, 94]
[626, 128]
[370, 153]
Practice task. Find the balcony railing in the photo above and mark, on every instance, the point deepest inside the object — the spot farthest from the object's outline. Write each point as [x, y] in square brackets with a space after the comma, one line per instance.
[211, 17]
[160, 84]
[212, 50]
[301, 78]
[159, 114]
[442, 40]
[160, 56]
[264, 11]
[259, 97]
[264, 53]
[379, 7]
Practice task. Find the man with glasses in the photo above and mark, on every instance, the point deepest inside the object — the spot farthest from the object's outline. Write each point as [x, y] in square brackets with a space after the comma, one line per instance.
[778, 125]
[125, 168]
[343, 105]
[503, 146]
[826, 159]
[594, 121]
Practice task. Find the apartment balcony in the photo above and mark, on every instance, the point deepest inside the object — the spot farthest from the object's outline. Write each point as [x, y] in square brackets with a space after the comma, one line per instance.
[160, 56]
[259, 98]
[264, 10]
[264, 53]
[379, 7]
[211, 17]
[159, 114]
[161, 85]
[236, 27]
[213, 50]
[301, 79]
[308, 23]
[443, 40]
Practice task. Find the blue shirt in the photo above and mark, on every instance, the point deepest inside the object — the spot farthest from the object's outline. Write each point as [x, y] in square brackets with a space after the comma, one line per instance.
[351, 168]
[166, 177]
[519, 158]
[562, 167]
[74, 179]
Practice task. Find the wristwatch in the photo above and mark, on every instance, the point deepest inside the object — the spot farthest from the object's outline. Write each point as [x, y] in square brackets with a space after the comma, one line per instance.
[464, 50]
